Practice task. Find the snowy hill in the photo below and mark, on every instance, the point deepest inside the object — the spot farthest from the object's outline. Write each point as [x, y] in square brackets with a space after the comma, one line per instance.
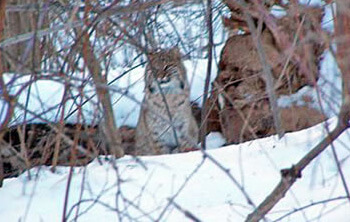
[155, 188]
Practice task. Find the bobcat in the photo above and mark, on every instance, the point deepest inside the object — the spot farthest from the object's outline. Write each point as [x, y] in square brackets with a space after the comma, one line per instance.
[166, 123]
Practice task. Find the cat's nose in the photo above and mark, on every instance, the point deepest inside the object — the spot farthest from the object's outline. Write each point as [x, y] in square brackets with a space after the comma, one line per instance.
[164, 80]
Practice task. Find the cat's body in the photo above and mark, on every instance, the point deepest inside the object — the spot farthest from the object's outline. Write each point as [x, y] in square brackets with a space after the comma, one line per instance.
[166, 123]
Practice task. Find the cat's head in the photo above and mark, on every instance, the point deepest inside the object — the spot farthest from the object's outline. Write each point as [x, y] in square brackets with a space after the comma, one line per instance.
[165, 72]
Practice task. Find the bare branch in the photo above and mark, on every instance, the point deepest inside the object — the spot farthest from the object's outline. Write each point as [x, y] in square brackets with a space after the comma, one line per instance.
[103, 14]
[187, 213]
[113, 138]
[203, 129]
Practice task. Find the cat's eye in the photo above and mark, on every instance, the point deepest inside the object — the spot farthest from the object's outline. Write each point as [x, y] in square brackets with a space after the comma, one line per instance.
[165, 67]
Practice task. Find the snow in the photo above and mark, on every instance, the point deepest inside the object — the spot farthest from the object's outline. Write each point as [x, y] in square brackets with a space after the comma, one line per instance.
[214, 140]
[196, 184]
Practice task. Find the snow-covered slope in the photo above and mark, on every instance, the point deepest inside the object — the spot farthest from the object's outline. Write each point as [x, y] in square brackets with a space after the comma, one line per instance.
[146, 189]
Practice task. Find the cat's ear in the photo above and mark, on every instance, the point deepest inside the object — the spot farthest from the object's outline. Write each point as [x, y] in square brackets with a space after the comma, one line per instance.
[175, 52]
[176, 49]
[151, 54]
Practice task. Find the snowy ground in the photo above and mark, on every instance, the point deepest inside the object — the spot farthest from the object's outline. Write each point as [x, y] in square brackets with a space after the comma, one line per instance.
[140, 190]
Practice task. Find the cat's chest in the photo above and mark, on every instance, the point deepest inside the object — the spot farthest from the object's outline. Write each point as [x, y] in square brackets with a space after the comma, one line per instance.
[157, 117]
[174, 104]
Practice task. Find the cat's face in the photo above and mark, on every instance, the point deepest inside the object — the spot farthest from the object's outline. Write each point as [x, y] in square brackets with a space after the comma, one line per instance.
[165, 73]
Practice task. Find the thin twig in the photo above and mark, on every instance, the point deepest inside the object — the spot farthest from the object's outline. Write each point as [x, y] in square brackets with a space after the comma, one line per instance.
[171, 199]
[310, 205]
[187, 213]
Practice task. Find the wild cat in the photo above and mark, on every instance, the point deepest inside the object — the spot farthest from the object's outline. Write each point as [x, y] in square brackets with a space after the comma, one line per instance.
[166, 123]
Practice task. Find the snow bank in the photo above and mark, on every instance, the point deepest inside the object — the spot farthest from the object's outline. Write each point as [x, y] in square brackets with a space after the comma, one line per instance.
[141, 189]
